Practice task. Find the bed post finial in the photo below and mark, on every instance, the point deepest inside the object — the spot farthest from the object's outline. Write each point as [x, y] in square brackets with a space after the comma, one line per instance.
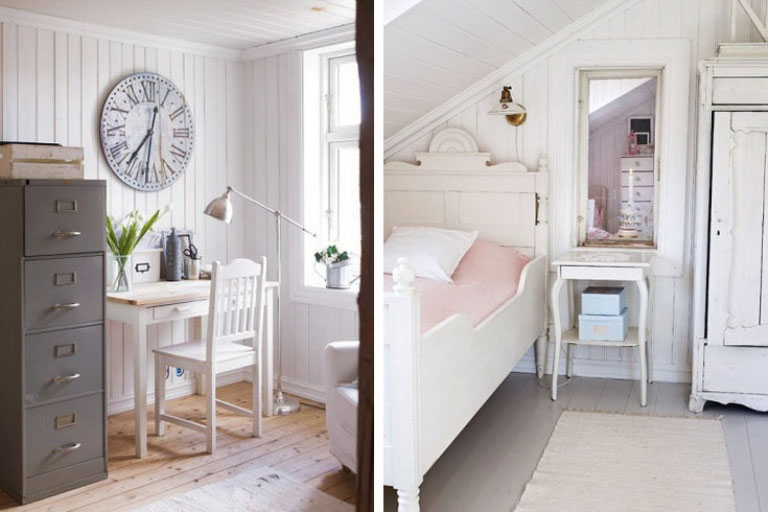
[403, 275]
[543, 164]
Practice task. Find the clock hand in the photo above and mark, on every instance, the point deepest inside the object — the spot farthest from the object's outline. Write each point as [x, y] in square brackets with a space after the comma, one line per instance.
[144, 140]
[149, 147]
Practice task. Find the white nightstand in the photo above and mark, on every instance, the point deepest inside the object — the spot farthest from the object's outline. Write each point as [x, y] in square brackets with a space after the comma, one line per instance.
[614, 265]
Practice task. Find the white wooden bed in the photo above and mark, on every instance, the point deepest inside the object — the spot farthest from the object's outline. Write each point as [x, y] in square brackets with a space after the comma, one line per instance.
[435, 383]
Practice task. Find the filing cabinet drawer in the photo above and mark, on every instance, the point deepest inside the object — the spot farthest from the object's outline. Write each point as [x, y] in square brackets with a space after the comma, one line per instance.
[64, 220]
[63, 291]
[183, 310]
[64, 433]
[63, 363]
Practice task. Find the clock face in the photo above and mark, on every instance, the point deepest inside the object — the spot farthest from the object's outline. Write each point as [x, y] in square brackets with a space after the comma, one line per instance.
[146, 129]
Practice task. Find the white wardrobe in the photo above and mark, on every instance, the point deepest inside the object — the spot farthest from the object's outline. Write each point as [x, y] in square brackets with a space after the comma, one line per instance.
[730, 356]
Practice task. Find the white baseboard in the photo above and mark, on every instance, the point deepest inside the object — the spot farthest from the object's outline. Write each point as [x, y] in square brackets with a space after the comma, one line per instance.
[125, 403]
[627, 370]
[295, 387]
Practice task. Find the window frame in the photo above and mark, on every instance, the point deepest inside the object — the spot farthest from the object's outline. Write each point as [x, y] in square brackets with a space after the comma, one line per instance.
[318, 136]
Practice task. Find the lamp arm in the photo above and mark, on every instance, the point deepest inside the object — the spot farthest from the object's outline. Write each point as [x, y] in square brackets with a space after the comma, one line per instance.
[271, 210]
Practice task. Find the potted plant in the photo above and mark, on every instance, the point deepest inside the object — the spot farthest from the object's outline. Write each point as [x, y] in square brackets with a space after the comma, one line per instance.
[132, 228]
[336, 263]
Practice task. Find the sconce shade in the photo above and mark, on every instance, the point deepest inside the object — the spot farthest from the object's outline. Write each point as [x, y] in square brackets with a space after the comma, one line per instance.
[220, 208]
[514, 112]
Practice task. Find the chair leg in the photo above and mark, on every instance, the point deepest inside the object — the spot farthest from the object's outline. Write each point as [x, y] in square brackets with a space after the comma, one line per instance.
[256, 409]
[210, 412]
[159, 396]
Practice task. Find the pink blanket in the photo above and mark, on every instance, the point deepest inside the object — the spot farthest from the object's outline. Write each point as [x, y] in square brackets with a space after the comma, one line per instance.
[486, 278]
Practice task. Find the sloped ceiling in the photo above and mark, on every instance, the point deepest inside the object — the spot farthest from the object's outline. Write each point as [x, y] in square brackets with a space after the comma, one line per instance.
[236, 24]
[438, 48]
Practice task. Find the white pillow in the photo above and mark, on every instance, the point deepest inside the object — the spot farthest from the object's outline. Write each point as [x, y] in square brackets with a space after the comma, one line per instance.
[433, 253]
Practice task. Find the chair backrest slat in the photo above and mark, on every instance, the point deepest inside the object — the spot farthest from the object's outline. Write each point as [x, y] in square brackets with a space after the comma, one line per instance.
[236, 303]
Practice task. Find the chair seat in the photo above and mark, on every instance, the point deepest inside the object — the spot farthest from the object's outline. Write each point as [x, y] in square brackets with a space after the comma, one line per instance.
[195, 350]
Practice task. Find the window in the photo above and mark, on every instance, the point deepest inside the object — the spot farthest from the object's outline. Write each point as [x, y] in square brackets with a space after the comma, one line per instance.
[331, 156]
[618, 171]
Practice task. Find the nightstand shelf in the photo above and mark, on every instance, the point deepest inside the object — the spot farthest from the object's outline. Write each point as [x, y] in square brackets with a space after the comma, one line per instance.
[572, 336]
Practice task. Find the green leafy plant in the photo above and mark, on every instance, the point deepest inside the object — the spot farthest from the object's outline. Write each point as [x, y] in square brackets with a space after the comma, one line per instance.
[132, 229]
[331, 255]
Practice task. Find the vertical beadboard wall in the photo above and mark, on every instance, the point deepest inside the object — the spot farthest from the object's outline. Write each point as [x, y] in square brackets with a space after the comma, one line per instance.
[53, 86]
[274, 119]
[705, 24]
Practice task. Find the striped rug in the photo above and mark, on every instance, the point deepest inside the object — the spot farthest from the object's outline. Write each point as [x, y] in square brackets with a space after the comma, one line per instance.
[597, 462]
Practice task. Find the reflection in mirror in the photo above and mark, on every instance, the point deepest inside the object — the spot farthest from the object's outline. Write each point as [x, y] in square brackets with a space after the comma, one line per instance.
[621, 173]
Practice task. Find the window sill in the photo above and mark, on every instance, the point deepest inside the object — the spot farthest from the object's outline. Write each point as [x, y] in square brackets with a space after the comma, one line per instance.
[327, 297]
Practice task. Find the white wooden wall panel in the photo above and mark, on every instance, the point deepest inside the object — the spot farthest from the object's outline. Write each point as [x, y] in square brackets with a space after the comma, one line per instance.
[53, 86]
[273, 156]
[705, 24]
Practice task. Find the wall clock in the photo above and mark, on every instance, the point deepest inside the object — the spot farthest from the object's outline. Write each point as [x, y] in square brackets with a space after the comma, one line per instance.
[147, 135]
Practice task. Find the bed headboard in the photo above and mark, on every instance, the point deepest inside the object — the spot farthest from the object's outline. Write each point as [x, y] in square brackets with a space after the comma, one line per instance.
[454, 186]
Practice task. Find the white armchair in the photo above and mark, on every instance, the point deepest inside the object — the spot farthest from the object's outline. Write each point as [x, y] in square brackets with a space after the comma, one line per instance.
[341, 397]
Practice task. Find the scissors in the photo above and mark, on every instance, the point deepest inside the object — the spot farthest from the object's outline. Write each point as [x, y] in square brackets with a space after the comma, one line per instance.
[191, 252]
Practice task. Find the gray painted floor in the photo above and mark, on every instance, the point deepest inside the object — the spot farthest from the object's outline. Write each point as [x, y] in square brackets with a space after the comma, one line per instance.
[488, 465]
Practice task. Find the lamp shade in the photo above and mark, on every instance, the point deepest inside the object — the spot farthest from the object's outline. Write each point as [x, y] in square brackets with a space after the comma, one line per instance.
[220, 208]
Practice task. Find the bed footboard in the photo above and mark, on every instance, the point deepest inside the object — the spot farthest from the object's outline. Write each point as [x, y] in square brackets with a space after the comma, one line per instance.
[436, 382]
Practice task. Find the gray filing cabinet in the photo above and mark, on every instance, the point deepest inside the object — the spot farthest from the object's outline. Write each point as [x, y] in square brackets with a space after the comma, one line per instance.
[52, 400]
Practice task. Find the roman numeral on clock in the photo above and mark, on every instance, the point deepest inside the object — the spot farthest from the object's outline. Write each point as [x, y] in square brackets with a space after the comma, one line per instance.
[131, 94]
[176, 113]
[113, 130]
[178, 152]
[135, 168]
[149, 90]
[122, 112]
[181, 132]
[117, 149]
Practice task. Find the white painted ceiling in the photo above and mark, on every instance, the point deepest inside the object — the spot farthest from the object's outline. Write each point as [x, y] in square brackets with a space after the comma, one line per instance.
[437, 48]
[235, 24]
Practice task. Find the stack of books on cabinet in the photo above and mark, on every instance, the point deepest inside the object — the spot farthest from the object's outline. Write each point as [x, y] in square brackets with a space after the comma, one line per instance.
[604, 314]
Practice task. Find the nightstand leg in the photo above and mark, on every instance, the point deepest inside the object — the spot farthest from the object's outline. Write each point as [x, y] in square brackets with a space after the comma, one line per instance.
[642, 289]
[569, 361]
[555, 304]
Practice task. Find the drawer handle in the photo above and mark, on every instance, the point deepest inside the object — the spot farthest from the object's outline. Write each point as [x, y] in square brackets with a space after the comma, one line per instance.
[66, 234]
[71, 305]
[68, 448]
[182, 310]
[67, 378]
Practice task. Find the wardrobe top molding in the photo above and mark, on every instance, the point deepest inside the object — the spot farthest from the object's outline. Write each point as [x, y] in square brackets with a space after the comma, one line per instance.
[340, 34]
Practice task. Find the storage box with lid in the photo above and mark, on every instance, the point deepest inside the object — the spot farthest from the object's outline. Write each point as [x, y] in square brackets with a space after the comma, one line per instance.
[604, 327]
[603, 300]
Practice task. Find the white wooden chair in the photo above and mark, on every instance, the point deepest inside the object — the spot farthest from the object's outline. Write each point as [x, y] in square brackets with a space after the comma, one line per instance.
[236, 314]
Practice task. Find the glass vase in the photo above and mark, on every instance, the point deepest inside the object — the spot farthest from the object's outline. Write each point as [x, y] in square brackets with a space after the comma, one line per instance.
[120, 275]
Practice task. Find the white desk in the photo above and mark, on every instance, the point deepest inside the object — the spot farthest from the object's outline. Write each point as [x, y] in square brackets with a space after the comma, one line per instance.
[598, 265]
[166, 301]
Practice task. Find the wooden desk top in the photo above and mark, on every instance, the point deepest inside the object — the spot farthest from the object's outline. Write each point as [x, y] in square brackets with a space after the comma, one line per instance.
[167, 292]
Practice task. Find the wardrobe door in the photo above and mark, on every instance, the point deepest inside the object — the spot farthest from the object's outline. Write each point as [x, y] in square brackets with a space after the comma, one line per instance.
[738, 252]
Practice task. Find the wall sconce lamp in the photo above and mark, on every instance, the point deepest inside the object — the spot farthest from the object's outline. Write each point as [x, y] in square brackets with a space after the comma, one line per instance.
[514, 112]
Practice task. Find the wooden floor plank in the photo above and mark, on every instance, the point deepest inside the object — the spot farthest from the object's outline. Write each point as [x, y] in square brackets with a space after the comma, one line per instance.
[737, 442]
[757, 436]
[177, 462]
[615, 395]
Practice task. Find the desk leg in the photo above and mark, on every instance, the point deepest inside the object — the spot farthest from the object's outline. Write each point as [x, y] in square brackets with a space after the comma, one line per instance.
[267, 380]
[139, 333]
[555, 298]
[642, 327]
